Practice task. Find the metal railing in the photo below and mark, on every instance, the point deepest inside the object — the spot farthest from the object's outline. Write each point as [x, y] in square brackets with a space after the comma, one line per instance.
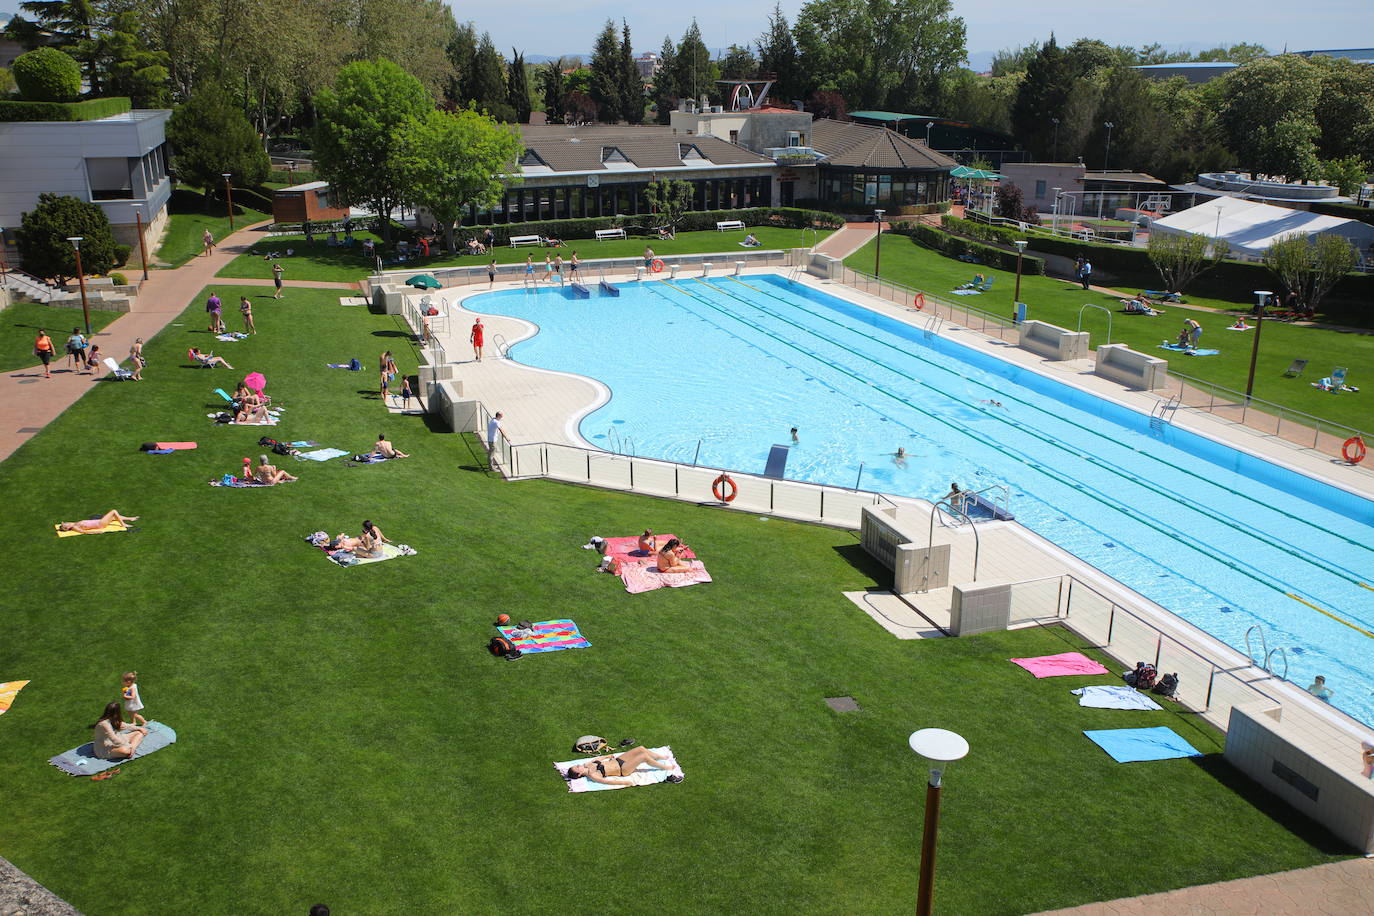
[1295, 426]
[613, 269]
[970, 316]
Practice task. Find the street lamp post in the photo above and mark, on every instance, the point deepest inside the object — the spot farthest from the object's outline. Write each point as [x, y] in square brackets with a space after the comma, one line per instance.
[929, 125]
[1216, 233]
[1055, 157]
[142, 248]
[1054, 220]
[1262, 298]
[939, 746]
[1108, 153]
[81, 281]
[1016, 296]
[229, 199]
[878, 250]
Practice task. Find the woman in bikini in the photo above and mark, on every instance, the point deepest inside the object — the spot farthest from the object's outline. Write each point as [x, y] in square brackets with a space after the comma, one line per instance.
[95, 524]
[266, 473]
[370, 541]
[670, 561]
[648, 543]
[615, 769]
[209, 359]
[246, 310]
[136, 357]
[251, 409]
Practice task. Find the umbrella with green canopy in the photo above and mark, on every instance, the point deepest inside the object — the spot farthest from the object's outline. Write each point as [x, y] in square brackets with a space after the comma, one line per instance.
[424, 281]
[964, 171]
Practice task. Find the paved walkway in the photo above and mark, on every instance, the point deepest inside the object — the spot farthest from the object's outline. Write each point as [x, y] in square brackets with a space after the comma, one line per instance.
[848, 239]
[1338, 889]
[28, 402]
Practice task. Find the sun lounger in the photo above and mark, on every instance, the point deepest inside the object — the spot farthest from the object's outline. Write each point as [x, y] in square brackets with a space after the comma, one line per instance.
[120, 375]
[1295, 369]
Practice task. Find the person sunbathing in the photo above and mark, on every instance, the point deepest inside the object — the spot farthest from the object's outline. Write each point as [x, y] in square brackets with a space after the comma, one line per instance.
[95, 524]
[115, 739]
[615, 769]
[670, 559]
[386, 449]
[648, 543]
[751, 242]
[370, 541]
[209, 359]
[251, 410]
[267, 473]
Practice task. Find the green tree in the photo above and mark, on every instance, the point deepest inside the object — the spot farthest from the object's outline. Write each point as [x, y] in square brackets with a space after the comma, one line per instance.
[553, 88]
[1042, 100]
[665, 82]
[669, 198]
[1347, 174]
[1181, 258]
[1141, 130]
[518, 88]
[47, 75]
[1345, 108]
[209, 136]
[43, 234]
[778, 56]
[693, 72]
[630, 85]
[489, 80]
[6, 83]
[67, 25]
[880, 53]
[462, 57]
[1267, 114]
[1088, 54]
[738, 63]
[1014, 60]
[450, 161]
[356, 125]
[130, 67]
[414, 33]
[605, 88]
[1310, 265]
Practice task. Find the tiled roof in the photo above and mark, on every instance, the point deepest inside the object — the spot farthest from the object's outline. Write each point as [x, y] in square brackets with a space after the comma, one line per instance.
[583, 149]
[853, 145]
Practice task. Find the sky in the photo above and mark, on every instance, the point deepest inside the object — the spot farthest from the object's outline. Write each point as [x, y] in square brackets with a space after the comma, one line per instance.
[556, 27]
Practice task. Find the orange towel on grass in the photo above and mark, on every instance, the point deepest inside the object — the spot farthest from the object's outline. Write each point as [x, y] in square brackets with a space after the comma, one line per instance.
[7, 693]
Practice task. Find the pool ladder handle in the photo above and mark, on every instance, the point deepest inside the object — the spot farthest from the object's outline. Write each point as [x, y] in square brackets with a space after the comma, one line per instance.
[1163, 410]
[935, 510]
[499, 344]
[1268, 654]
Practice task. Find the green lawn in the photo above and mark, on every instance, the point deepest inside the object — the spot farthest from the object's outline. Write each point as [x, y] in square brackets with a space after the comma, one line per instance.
[19, 324]
[1060, 302]
[344, 736]
[319, 261]
[188, 221]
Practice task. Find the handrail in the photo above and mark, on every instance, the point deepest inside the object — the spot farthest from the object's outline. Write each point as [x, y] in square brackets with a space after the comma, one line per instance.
[1264, 644]
[1282, 652]
[1090, 305]
[930, 536]
[930, 296]
[1279, 409]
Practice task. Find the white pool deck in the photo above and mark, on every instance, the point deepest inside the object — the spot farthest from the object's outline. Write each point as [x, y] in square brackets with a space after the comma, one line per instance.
[545, 406]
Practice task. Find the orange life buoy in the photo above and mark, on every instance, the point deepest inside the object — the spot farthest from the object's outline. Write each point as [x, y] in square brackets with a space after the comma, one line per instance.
[1353, 450]
[920, 300]
[718, 489]
[657, 266]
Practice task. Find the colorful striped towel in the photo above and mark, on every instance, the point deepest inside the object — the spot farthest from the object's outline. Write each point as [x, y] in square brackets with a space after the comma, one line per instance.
[8, 691]
[644, 776]
[549, 636]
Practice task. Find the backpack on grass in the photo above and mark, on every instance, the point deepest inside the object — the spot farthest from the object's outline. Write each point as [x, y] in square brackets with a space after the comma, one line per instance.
[502, 647]
[1167, 686]
[1143, 677]
[591, 744]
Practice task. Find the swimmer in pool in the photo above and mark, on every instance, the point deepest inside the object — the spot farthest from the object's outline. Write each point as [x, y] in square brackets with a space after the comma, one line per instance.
[794, 435]
[899, 458]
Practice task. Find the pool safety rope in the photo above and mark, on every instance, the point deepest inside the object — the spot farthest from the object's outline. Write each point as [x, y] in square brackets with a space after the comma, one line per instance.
[1166, 530]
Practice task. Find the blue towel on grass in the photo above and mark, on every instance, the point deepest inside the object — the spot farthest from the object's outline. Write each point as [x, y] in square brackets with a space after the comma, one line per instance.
[1127, 745]
[323, 454]
[82, 761]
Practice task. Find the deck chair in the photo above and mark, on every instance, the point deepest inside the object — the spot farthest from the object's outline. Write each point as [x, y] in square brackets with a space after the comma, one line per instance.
[975, 284]
[199, 364]
[224, 394]
[120, 375]
[1295, 370]
[985, 285]
[1338, 376]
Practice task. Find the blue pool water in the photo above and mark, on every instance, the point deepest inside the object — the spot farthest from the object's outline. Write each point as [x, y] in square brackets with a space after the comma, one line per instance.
[1219, 537]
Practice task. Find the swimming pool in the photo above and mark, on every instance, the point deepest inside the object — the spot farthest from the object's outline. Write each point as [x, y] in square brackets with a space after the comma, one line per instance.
[728, 366]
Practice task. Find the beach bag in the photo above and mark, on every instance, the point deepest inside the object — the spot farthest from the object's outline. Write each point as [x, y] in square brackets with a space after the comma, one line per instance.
[148, 447]
[502, 647]
[591, 744]
[354, 365]
[1167, 686]
[1143, 677]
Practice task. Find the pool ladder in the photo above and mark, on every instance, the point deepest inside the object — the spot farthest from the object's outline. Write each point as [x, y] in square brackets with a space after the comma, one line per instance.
[620, 445]
[960, 519]
[1268, 653]
[1163, 412]
[499, 344]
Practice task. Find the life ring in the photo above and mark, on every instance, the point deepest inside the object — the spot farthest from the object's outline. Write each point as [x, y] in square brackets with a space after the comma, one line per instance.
[1353, 450]
[657, 266]
[920, 301]
[718, 489]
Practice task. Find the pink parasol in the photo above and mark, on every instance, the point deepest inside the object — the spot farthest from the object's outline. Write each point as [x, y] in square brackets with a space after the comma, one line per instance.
[255, 381]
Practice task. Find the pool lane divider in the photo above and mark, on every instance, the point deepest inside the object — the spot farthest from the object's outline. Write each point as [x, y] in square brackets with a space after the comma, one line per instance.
[1335, 570]
[1334, 617]
[1160, 527]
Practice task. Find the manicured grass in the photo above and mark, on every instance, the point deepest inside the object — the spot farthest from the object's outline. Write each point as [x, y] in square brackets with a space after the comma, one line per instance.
[189, 219]
[19, 326]
[319, 261]
[1059, 302]
[344, 736]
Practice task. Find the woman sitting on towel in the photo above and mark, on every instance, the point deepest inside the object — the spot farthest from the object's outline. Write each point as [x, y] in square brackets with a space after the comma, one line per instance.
[251, 409]
[114, 738]
[208, 359]
[370, 541]
[266, 473]
[670, 560]
[648, 543]
[95, 524]
[614, 770]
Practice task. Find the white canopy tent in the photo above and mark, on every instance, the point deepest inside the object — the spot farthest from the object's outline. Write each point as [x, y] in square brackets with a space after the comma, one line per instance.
[1249, 226]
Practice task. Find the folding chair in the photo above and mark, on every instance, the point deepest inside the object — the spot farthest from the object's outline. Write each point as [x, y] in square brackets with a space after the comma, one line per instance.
[1338, 377]
[1295, 370]
[120, 375]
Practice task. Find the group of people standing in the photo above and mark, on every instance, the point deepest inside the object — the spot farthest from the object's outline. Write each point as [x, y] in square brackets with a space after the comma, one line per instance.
[83, 355]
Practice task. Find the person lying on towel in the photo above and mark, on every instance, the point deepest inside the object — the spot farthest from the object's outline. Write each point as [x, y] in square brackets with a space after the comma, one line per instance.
[95, 524]
[614, 770]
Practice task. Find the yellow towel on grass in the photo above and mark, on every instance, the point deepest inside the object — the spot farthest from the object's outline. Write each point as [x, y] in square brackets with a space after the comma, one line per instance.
[112, 526]
[7, 693]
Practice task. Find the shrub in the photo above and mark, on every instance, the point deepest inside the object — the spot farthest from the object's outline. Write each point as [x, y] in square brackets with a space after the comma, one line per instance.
[696, 220]
[43, 235]
[954, 246]
[89, 110]
[47, 75]
[119, 279]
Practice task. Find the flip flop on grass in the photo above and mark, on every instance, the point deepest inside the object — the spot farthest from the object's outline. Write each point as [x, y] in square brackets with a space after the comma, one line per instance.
[108, 774]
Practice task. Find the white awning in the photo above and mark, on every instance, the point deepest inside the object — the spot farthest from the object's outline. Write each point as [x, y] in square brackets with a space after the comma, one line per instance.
[1250, 227]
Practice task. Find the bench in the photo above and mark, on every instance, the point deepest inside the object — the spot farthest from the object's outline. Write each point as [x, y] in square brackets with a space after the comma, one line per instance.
[727, 224]
[604, 234]
[517, 240]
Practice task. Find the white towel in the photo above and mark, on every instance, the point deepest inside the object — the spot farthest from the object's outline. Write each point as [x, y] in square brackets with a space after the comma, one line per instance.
[1114, 698]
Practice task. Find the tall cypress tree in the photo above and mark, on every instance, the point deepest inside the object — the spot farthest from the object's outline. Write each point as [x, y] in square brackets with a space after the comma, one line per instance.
[1043, 98]
[631, 86]
[462, 54]
[553, 87]
[778, 55]
[693, 65]
[665, 82]
[518, 88]
[605, 67]
[489, 77]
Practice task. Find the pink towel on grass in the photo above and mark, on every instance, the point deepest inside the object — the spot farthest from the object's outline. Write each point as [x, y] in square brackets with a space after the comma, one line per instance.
[639, 579]
[1059, 665]
[176, 446]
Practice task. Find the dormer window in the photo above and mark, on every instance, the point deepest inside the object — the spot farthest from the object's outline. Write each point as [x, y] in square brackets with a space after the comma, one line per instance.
[611, 154]
[530, 158]
[686, 151]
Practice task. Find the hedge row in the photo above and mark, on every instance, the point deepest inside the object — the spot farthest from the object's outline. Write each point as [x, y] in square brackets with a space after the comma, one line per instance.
[954, 246]
[89, 110]
[788, 217]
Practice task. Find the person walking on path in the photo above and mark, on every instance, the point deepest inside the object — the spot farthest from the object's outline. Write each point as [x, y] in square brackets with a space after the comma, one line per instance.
[477, 337]
[208, 239]
[277, 271]
[494, 432]
[212, 305]
[76, 348]
[136, 358]
[491, 274]
[1086, 273]
[42, 348]
[246, 310]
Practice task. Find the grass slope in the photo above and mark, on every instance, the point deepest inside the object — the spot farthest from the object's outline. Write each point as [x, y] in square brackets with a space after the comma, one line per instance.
[19, 324]
[344, 737]
[1060, 302]
[318, 261]
[187, 222]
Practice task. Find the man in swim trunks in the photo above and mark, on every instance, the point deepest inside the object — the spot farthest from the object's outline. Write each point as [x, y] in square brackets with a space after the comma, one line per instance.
[613, 770]
[648, 256]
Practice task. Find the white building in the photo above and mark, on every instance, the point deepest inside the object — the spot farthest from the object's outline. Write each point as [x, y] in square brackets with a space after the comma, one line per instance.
[118, 162]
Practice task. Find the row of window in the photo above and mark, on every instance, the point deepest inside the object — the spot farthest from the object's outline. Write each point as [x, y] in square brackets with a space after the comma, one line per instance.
[527, 204]
[126, 177]
[878, 188]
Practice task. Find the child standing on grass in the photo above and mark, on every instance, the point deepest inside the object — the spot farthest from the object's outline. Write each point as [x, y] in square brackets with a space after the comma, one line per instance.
[132, 702]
